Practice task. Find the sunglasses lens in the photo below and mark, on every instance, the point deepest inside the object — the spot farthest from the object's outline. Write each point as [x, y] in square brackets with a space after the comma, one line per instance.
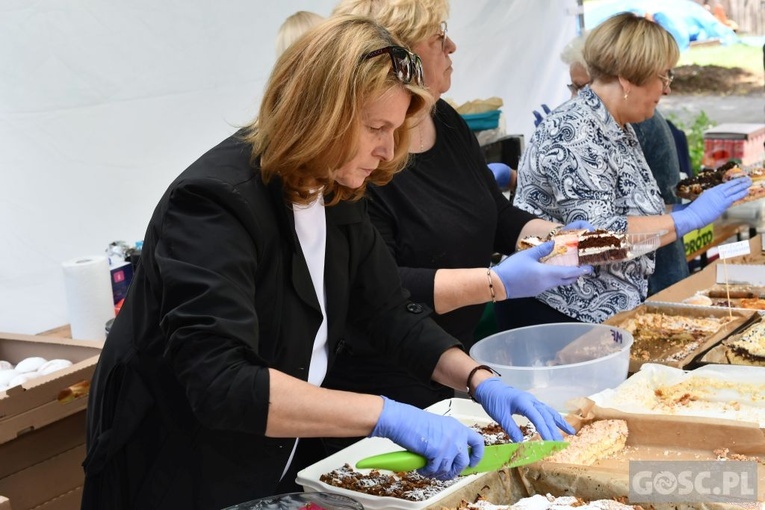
[402, 64]
[406, 65]
[418, 76]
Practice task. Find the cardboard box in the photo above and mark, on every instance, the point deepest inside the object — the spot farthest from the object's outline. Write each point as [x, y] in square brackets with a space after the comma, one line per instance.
[42, 469]
[46, 399]
[707, 277]
[71, 500]
[650, 438]
[744, 142]
[684, 358]
[687, 287]
[738, 274]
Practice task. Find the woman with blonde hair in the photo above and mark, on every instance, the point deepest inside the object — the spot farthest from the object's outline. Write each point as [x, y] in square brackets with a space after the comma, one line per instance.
[294, 27]
[255, 259]
[584, 162]
[442, 218]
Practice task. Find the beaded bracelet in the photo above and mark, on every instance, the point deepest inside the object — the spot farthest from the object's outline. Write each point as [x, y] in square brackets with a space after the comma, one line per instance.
[491, 285]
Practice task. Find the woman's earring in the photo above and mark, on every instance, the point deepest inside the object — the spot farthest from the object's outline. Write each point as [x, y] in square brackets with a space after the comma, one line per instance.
[626, 95]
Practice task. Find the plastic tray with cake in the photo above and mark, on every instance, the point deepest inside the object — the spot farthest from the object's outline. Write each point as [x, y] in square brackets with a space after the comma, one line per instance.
[744, 347]
[426, 491]
[599, 247]
[675, 334]
[691, 187]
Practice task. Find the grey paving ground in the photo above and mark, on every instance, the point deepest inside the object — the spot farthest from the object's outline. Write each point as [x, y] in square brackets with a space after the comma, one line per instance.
[720, 109]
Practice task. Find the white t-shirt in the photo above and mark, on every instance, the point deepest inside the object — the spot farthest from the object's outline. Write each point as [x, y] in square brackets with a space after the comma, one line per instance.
[311, 229]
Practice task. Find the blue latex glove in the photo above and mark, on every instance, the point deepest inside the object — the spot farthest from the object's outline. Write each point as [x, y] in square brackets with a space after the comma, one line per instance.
[502, 401]
[710, 205]
[538, 117]
[442, 440]
[524, 276]
[578, 225]
[501, 174]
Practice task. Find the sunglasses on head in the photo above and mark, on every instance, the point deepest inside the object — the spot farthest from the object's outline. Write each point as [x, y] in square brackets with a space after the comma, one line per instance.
[407, 66]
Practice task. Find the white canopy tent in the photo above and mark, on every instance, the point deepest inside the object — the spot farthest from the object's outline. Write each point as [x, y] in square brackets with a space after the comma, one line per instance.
[103, 103]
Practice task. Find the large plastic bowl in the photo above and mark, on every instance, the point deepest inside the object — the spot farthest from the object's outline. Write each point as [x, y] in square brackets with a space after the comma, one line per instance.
[558, 362]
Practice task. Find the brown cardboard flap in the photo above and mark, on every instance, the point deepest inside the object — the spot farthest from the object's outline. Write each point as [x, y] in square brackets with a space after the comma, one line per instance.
[45, 481]
[70, 500]
[713, 394]
[42, 443]
[650, 438]
[668, 431]
[706, 278]
[503, 487]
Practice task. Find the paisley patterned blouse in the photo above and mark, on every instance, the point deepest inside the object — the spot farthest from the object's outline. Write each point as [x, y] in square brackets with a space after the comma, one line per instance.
[581, 165]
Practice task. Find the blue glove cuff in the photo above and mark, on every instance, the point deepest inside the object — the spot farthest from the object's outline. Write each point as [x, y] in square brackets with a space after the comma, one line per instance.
[380, 426]
[682, 222]
[481, 389]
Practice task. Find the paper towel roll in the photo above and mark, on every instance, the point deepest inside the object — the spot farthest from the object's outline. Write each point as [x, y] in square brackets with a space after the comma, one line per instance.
[89, 296]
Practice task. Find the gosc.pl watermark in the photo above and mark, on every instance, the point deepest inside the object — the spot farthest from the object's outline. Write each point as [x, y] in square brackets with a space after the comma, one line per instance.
[692, 482]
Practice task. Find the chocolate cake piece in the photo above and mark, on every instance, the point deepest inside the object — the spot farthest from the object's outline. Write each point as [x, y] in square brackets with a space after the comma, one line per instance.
[602, 246]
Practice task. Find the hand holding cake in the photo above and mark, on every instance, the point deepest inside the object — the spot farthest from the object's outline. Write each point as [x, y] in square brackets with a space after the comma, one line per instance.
[710, 205]
[523, 275]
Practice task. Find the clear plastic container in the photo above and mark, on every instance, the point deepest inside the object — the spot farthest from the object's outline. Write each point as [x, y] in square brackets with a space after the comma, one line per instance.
[558, 362]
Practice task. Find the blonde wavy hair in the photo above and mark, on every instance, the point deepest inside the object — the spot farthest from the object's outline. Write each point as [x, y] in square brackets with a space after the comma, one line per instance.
[294, 27]
[411, 21]
[629, 46]
[310, 118]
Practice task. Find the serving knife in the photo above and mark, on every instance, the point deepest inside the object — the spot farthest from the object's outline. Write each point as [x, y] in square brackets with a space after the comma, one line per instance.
[494, 457]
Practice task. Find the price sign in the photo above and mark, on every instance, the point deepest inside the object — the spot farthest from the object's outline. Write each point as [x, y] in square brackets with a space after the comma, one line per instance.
[734, 249]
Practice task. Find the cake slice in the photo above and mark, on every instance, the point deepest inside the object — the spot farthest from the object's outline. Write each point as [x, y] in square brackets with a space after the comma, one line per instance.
[749, 349]
[602, 246]
[593, 442]
[575, 247]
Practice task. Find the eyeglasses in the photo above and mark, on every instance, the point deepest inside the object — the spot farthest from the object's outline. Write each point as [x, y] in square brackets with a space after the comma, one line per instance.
[667, 80]
[442, 34]
[574, 88]
[407, 66]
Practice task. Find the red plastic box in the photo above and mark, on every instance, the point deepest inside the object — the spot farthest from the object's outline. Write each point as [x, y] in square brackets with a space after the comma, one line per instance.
[744, 142]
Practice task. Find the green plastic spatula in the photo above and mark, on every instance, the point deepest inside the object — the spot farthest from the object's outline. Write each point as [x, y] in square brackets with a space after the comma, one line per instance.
[495, 457]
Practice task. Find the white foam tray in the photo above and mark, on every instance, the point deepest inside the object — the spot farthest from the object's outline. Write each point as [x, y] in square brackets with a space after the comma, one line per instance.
[466, 411]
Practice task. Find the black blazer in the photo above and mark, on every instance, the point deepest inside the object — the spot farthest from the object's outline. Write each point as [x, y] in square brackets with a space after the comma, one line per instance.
[179, 401]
